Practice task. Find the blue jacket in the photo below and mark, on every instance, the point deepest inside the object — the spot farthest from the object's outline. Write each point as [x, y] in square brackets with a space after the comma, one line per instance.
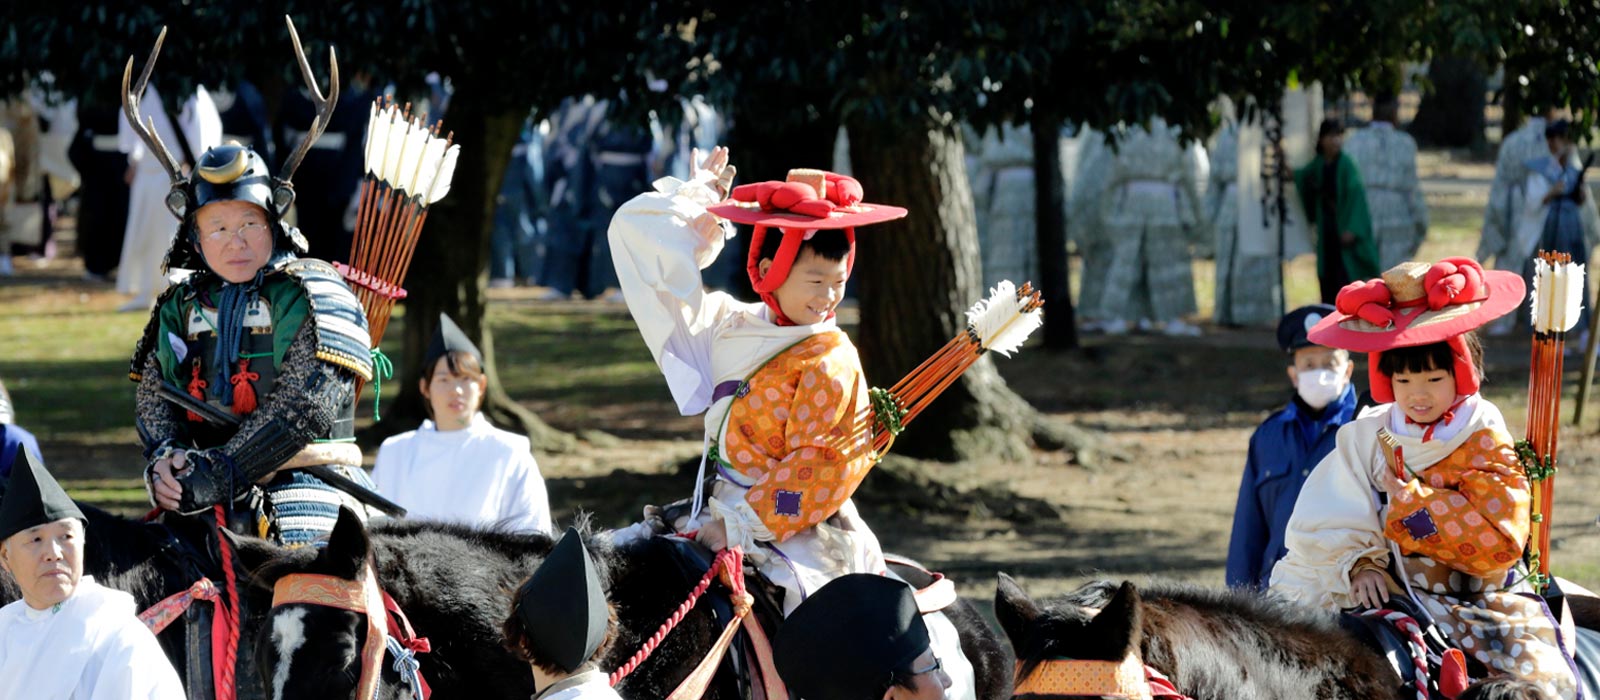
[1283, 451]
[12, 439]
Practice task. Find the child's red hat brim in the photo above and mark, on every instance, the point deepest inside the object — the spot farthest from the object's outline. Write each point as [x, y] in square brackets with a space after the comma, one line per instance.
[862, 214]
[1419, 325]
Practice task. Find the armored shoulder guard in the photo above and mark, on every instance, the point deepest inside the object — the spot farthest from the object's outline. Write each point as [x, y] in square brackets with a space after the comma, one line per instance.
[341, 322]
[147, 339]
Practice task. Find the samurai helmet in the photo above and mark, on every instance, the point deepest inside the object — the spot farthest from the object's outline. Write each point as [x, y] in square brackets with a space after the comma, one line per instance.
[230, 171]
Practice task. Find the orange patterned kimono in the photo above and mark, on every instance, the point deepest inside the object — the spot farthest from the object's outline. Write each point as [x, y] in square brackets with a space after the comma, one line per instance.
[1472, 512]
[799, 434]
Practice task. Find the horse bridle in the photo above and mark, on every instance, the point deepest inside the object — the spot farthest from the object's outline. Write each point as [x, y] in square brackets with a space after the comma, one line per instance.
[1056, 678]
[360, 596]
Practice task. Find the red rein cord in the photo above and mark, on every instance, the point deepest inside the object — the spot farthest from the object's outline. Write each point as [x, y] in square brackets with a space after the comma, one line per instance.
[225, 626]
[731, 560]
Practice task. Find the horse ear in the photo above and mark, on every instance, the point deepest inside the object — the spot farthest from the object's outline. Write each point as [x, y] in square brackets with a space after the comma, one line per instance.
[1015, 610]
[1120, 622]
[250, 552]
[348, 546]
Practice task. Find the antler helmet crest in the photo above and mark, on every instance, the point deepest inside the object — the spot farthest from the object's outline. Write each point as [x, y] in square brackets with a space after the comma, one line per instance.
[230, 171]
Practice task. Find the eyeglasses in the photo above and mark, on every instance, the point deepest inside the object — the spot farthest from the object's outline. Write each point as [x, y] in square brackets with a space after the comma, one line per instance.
[937, 664]
[247, 232]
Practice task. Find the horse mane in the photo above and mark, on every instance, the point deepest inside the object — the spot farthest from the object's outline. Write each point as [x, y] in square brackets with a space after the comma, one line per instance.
[1233, 603]
[1211, 642]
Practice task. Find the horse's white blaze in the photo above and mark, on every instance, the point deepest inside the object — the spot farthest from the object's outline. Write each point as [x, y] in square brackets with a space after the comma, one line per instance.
[288, 634]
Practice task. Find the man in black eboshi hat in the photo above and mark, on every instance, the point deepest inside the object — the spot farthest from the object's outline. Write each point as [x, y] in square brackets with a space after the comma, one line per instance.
[860, 637]
[561, 624]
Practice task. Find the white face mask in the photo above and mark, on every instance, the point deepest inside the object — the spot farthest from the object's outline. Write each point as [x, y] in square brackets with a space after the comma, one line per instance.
[1319, 387]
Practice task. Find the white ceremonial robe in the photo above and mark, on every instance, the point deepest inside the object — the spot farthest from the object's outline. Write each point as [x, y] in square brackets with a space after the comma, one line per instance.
[660, 241]
[151, 225]
[480, 475]
[589, 685]
[1387, 161]
[91, 647]
[1507, 197]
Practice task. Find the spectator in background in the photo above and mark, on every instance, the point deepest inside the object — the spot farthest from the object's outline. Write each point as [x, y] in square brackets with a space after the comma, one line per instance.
[1247, 280]
[1558, 207]
[517, 246]
[1336, 203]
[330, 175]
[569, 173]
[1386, 158]
[102, 192]
[13, 439]
[1287, 446]
[149, 231]
[245, 120]
[1501, 239]
[1143, 202]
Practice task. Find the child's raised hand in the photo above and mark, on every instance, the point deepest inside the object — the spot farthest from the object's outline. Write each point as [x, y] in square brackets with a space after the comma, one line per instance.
[1370, 588]
[716, 163]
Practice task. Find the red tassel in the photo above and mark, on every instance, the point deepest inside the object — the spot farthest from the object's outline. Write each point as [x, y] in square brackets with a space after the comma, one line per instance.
[244, 393]
[1453, 678]
[197, 389]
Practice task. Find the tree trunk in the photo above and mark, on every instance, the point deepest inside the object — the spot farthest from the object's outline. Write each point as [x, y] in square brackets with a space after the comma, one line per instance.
[1451, 115]
[1049, 206]
[918, 275]
[449, 273]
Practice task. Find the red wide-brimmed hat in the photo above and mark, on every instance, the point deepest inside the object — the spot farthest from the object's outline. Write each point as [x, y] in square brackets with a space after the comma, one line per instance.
[808, 201]
[1419, 304]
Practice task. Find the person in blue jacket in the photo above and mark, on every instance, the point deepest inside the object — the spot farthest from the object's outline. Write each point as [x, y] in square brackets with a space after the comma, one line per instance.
[1287, 446]
[13, 439]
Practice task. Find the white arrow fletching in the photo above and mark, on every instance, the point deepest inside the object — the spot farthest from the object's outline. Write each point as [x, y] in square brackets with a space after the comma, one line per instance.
[447, 169]
[1574, 299]
[1557, 296]
[428, 167]
[1000, 321]
[416, 143]
[380, 137]
[399, 140]
[366, 146]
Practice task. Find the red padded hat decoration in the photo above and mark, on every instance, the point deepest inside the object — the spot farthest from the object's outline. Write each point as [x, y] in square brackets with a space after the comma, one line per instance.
[808, 201]
[1419, 304]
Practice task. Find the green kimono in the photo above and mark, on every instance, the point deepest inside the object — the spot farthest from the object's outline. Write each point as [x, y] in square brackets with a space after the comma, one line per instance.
[1360, 258]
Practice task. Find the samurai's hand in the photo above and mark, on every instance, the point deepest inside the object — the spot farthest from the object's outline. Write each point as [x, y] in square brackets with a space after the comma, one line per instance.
[208, 481]
[716, 164]
[161, 478]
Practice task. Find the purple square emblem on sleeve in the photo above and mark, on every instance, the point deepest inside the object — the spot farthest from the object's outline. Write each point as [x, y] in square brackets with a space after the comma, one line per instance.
[787, 502]
[1420, 525]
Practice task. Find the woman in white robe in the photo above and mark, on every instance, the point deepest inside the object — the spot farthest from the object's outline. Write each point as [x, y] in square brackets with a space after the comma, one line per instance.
[150, 229]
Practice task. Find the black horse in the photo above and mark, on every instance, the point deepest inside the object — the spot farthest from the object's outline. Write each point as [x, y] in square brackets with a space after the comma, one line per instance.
[455, 585]
[1213, 644]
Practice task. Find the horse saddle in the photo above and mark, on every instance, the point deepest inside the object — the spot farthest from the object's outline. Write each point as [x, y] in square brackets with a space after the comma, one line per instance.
[933, 592]
[1394, 644]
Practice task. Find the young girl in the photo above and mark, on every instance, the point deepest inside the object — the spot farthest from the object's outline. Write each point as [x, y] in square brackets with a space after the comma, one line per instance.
[458, 467]
[1425, 497]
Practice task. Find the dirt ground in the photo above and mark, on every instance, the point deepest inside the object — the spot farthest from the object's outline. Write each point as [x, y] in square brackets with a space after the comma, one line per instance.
[1175, 416]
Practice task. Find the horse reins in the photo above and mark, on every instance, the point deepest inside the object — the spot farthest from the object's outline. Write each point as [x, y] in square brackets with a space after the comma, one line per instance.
[363, 597]
[729, 566]
[224, 621]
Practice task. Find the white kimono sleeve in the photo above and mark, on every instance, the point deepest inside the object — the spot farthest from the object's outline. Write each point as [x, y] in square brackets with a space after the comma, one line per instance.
[132, 666]
[660, 241]
[527, 506]
[1336, 523]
